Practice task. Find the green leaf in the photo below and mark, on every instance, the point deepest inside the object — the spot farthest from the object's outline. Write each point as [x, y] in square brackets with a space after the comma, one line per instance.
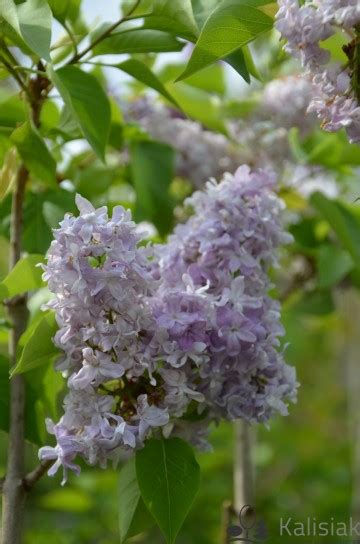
[296, 148]
[94, 181]
[198, 105]
[87, 101]
[169, 487]
[12, 111]
[25, 276]
[39, 348]
[314, 303]
[133, 516]
[138, 41]
[49, 117]
[232, 25]
[211, 79]
[116, 138]
[32, 20]
[52, 385]
[8, 172]
[65, 9]
[141, 72]
[250, 62]
[327, 152]
[335, 45]
[38, 222]
[153, 165]
[3, 292]
[342, 220]
[36, 236]
[14, 37]
[68, 127]
[32, 405]
[333, 265]
[142, 520]
[242, 61]
[5, 149]
[332, 150]
[43, 385]
[34, 417]
[9, 12]
[239, 108]
[175, 16]
[129, 495]
[33, 151]
[238, 62]
[35, 20]
[202, 9]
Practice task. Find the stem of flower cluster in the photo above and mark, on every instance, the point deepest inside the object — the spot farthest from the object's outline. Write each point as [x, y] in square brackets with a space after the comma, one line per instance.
[243, 466]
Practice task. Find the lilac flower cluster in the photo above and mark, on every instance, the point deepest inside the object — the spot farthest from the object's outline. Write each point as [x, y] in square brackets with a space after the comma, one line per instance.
[305, 26]
[101, 279]
[167, 339]
[222, 256]
[285, 100]
[263, 136]
[282, 105]
[201, 153]
[261, 139]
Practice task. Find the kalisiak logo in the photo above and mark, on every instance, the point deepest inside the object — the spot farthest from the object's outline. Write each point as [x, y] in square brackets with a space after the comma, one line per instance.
[249, 529]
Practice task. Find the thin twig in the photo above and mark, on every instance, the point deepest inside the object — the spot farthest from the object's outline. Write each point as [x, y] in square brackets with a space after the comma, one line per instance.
[34, 476]
[9, 55]
[26, 69]
[95, 63]
[71, 36]
[15, 75]
[104, 35]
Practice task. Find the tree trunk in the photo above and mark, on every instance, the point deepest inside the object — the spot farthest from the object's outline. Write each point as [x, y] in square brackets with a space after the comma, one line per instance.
[13, 489]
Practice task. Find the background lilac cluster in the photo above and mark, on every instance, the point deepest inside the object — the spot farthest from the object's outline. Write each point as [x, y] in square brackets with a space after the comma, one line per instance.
[171, 338]
[305, 27]
[200, 154]
[260, 139]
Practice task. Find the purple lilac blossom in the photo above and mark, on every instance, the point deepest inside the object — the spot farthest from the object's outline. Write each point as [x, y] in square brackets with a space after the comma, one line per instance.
[261, 139]
[221, 258]
[101, 277]
[167, 340]
[285, 100]
[305, 27]
[201, 153]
